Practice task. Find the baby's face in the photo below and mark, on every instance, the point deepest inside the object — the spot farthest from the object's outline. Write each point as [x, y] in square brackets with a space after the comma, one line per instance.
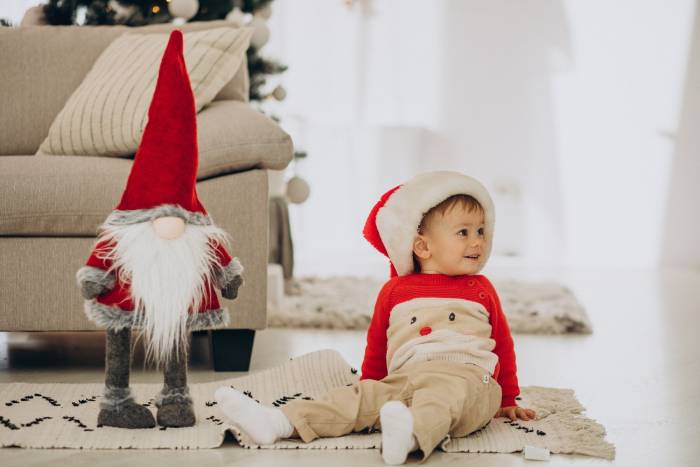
[455, 241]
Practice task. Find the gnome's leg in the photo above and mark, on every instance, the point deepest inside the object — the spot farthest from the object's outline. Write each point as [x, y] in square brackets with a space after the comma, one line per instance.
[118, 407]
[174, 403]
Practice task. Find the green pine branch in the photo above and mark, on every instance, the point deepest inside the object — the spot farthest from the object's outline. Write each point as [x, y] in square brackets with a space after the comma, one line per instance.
[250, 6]
[259, 69]
[211, 10]
[99, 12]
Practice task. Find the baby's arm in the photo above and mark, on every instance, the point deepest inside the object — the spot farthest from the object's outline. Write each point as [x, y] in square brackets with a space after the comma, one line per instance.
[505, 351]
[374, 363]
[514, 412]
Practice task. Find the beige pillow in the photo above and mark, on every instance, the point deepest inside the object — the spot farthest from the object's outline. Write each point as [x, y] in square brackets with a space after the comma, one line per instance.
[107, 113]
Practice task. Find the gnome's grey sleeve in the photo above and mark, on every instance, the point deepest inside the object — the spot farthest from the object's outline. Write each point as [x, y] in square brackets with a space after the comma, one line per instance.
[230, 278]
[94, 281]
[230, 291]
[95, 277]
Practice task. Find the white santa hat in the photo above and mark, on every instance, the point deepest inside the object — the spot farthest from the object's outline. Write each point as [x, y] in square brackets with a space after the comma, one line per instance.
[393, 223]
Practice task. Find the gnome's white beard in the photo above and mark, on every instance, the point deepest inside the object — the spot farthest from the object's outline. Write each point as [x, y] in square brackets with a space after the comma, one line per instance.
[168, 279]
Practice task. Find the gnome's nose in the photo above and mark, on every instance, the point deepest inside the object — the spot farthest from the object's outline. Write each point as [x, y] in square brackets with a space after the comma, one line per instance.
[425, 331]
[169, 227]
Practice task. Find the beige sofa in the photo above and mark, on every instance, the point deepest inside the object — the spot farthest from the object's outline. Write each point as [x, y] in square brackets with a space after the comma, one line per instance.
[50, 206]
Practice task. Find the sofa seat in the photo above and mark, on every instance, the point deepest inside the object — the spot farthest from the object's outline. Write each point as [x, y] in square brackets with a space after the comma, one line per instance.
[72, 195]
[37, 280]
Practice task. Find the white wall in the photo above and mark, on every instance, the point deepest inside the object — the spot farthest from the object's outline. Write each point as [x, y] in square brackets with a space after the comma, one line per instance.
[681, 239]
[571, 104]
[616, 106]
[570, 113]
[14, 9]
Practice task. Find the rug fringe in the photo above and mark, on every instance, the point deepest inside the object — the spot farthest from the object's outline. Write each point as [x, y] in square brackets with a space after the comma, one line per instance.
[586, 436]
[64, 415]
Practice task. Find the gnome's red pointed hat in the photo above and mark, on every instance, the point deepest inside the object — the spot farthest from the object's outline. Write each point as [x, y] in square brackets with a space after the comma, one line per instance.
[162, 183]
[392, 225]
[163, 177]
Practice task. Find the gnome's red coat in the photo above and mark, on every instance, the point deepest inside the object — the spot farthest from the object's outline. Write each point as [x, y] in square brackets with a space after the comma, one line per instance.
[120, 295]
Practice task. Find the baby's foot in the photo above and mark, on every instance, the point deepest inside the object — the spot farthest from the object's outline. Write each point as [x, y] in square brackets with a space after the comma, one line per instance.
[264, 425]
[397, 432]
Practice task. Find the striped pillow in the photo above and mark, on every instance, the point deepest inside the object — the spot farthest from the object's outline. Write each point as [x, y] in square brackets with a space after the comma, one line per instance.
[107, 113]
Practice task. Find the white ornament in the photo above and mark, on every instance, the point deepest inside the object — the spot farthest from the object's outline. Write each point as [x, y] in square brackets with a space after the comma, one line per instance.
[184, 9]
[279, 93]
[535, 454]
[120, 12]
[298, 190]
[236, 16]
[261, 33]
[264, 12]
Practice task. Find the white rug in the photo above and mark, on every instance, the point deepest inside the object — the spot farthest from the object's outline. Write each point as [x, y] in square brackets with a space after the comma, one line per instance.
[64, 415]
[347, 302]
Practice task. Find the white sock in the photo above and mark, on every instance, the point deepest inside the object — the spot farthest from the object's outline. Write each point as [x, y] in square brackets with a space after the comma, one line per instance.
[397, 432]
[264, 425]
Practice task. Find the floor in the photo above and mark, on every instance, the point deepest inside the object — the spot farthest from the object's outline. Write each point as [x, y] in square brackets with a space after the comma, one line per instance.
[638, 374]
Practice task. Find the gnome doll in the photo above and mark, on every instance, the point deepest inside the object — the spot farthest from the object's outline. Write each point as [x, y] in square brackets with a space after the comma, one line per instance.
[158, 258]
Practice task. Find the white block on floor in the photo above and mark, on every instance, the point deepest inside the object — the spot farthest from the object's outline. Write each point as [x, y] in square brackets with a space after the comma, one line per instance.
[536, 454]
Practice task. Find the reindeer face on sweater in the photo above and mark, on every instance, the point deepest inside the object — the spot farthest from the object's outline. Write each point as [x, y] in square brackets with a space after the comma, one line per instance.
[431, 328]
[425, 322]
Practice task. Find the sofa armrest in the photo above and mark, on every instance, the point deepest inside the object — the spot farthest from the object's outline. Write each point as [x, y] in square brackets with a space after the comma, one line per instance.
[232, 137]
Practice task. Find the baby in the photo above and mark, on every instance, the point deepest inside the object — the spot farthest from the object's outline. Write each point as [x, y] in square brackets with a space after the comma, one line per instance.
[439, 359]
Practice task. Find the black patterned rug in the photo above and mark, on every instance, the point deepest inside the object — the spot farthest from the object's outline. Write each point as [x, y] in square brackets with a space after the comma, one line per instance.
[65, 415]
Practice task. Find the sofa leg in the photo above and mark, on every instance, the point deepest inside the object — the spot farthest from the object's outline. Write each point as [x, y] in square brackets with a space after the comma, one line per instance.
[231, 349]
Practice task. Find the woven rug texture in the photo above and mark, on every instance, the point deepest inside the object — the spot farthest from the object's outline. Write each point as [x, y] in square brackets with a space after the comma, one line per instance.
[65, 415]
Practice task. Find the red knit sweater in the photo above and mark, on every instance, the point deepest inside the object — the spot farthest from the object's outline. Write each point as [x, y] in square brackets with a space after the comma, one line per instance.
[475, 288]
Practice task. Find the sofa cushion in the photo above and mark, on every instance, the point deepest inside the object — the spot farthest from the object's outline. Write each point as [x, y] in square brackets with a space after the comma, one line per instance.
[232, 136]
[238, 88]
[107, 114]
[58, 196]
[72, 195]
[43, 65]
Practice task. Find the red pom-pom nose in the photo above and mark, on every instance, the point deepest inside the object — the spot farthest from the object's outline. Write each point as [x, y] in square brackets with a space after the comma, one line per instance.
[425, 331]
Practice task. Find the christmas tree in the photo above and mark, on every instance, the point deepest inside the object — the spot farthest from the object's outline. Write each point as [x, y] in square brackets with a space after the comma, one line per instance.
[142, 12]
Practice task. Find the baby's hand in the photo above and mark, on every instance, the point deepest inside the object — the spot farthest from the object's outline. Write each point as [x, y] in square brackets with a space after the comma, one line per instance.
[514, 412]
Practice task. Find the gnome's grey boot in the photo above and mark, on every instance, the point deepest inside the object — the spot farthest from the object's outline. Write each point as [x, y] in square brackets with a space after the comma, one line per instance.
[118, 407]
[174, 402]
